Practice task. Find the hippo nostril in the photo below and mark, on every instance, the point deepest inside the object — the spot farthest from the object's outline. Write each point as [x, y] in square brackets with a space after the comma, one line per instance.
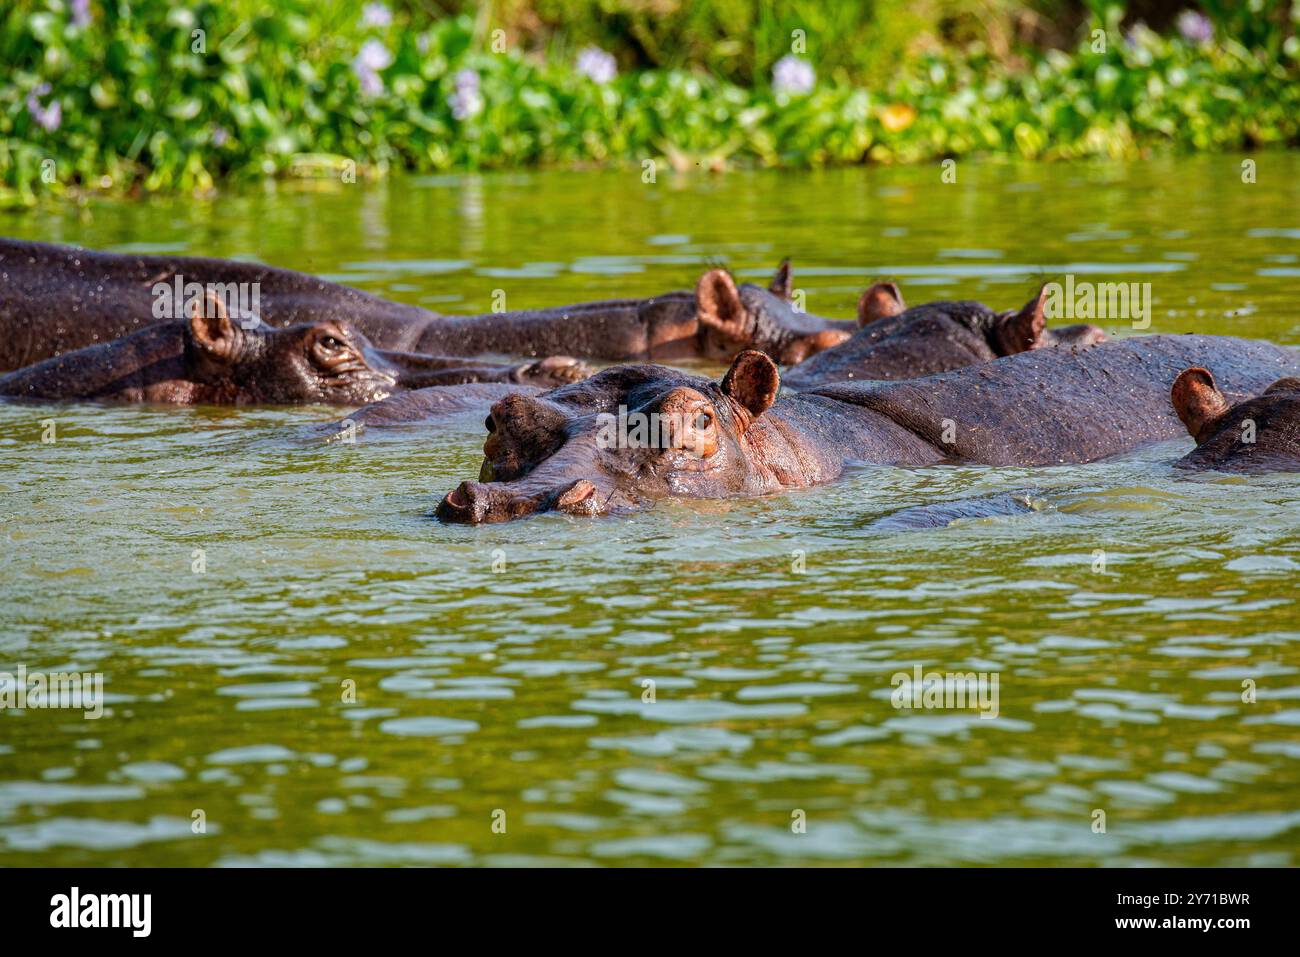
[461, 504]
[580, 499]
[458, 498]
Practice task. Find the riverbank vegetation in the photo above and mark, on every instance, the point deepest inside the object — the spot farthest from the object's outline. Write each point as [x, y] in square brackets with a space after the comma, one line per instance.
[144, 95]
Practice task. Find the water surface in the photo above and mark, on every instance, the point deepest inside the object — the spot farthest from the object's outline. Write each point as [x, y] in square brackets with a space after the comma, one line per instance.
[500, 673]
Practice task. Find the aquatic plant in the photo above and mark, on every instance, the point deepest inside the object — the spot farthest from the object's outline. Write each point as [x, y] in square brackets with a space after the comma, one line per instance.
[143, 96]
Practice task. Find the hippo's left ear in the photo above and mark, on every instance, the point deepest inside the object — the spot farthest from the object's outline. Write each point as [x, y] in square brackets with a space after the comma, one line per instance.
[718, 305]
[1197, 400]
[752, 383]
[211, 329]
[1023, 330]
[782, 283]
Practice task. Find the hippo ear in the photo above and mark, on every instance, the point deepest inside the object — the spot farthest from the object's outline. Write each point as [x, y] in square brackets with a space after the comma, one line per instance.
[1023, 330]
[1289, 384]
[719, 306]
[782, 283]
[880, 301]
[1197, 400]
[211, 329]
[752, 383]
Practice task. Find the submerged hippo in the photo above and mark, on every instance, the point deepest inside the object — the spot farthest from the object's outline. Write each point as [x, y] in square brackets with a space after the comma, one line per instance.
[1260, 434]
[54, 299]
[633, 434]
[895, 342]
[209, 359]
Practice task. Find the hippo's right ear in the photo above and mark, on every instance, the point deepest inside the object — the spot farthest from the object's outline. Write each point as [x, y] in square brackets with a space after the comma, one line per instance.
[752, 383]
[782, 283]
[1023, 330]
[211, 329]
[718, 305]
[1197, 400]
[880, 301]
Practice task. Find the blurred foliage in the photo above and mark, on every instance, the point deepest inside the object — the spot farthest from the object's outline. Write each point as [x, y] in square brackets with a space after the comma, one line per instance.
[144, 95]
[740, 40]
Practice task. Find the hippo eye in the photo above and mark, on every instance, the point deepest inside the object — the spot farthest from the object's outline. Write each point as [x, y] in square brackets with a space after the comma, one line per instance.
[331, 343]
[703, 421]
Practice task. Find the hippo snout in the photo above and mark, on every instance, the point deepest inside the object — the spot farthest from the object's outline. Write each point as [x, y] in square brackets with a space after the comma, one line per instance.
[476, 503]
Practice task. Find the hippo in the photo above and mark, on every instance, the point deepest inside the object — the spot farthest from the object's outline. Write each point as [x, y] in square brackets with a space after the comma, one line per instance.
[1260, 434]
[54, 299]
[895, 342]
[211, 360]
[634, 434]
[434, 405]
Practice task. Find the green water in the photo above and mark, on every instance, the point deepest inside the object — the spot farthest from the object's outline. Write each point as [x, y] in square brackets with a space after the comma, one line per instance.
[499, 672]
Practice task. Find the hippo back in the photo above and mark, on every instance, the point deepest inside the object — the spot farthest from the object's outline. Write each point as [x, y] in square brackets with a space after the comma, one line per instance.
[436, 403]
[54, 299]
[1055, 406]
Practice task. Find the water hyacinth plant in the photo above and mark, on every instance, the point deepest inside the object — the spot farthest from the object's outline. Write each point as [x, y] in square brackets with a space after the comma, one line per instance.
[143, 95]
[597, 65]
[792, 76]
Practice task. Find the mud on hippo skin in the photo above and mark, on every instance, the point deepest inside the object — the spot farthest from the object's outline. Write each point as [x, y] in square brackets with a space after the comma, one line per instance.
[208, 359]
[895, 342]
[1260, 434]
[561, 451]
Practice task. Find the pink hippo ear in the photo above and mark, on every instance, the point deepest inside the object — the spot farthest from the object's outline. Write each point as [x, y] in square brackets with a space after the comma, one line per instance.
[880, 301]
[782, 283]
[752, 383]
[211, 329]
[718, 306]
[1023, 330]
[1197, 400]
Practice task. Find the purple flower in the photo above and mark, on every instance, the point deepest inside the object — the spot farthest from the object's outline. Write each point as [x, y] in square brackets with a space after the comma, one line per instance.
[466, 101]
[374, 56]
[376, 15]
[793, 76]
[80, 12]
[1195, 26]
[49, 118]
[466, 82]
[597, 65]
[219, 136]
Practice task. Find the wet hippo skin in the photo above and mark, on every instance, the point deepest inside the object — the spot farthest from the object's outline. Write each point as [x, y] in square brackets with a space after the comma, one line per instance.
[54, 299]
[737, 438]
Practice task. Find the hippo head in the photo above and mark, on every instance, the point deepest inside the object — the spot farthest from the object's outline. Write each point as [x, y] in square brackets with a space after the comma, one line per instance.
[881, 309]
[897, 342]
[326, 362]
[1026, 328]
[620, 440]
[1260, 434]
[753, 317]
[331, 362]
